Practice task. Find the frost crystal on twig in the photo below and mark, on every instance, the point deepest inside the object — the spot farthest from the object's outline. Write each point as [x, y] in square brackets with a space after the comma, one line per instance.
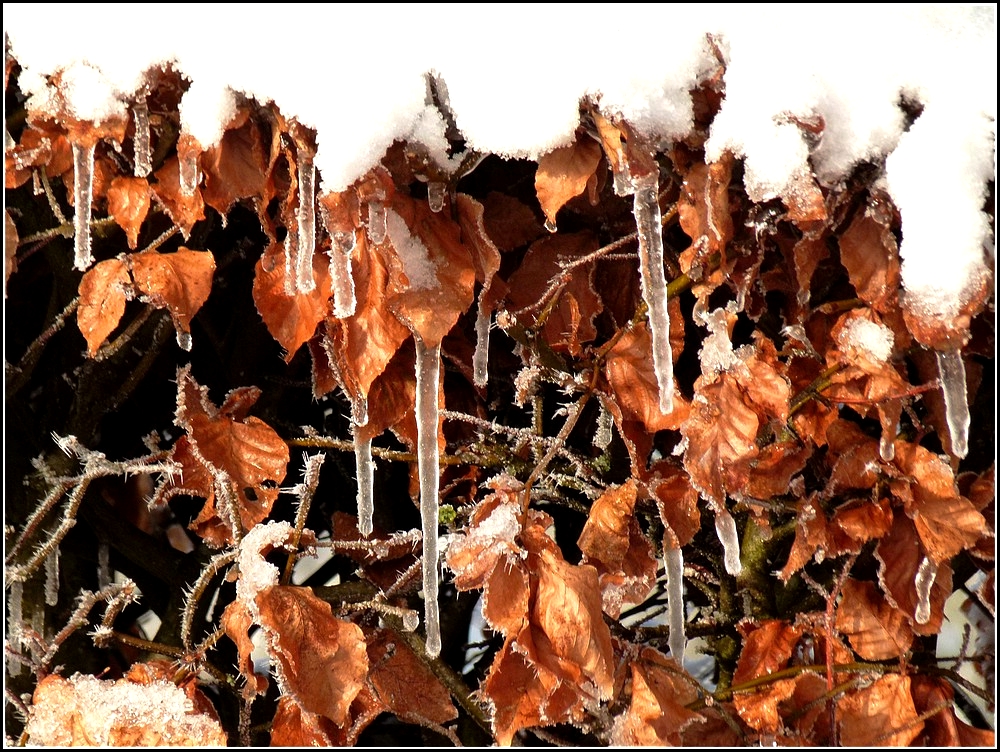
[956, 400]
[725, 528]
[366, 481]
[142, 158]
[428, 368]
[654, 283]
[304, 279]
[673, 559]
[344, 300]
[83, 187]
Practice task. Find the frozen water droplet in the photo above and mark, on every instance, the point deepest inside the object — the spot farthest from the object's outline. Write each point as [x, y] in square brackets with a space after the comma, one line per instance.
[924, 582]
[725, 528]
[654, 284]
[184, 340]
[268, 263]
[304, 279]
[428, 370]
[366, 482]
[83, 186]
[189, 174]
[143, 163]
[887, 446]
[344, 300]
[411, 620]
[435, 195]
[376, 222]
[673, 559]
[951, 368]
[480, 358]
[550, 225]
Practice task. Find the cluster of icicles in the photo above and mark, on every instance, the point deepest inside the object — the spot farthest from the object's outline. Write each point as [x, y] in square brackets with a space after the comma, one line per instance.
[645, 190]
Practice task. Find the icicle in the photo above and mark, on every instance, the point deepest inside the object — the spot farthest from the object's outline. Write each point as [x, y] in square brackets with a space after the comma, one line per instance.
[291, 250]
[887, 446]
[52, 578]
[376, 221]
[184, 341]
[622, 184]
[143, 163]
[83, 185]
[956, 401]
[923, 582]
[189, 175]
[428, 367]
[304, 280]
[480, 358]
[725, 528]
[602, 435]
[15, 623]
[673, 558]
[435, 195]
[551, 226]
[654, 283]
[103, 566]
[366, 482]
[344, 300]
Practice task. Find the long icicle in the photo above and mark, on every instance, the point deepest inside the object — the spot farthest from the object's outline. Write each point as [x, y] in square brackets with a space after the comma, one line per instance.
[83, 187]
[344, 298]
[304, 279]
[366, 480]
[142, 159]
[428, 368]
[951, 368]
[673, 558]
[654, 283]
[924, 582]
[481, 355]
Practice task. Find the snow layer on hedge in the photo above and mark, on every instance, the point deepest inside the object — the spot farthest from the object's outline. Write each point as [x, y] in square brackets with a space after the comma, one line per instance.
[515, 75]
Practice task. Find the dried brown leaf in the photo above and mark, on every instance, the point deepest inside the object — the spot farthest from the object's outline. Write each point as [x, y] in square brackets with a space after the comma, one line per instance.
[563, 174]
[104, 289]
[128, 203]
[880, 715]
[876, 630]
[180, 282]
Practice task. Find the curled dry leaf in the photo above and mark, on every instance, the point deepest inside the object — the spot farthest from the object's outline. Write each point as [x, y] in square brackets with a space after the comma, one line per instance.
[323, 659]
[128, 203]
[882, 714]
[767, 647]
[179, 281]
[86, 711]
[657, 712]
[875, 629]
[291, 319]
[563, 174]
[294, 727]
[185, 210]
[237, 167]
[104, 289]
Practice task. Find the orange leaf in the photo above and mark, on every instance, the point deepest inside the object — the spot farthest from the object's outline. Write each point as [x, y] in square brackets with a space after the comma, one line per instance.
[86, 711]
[767, 647]
[656, 714]
[759, 707]
[882, 714]
[869, 253]
[404, 683]
[185, 210]
[876, 630]
[235, 168]
[294, 727]
[629, 369]
[128, 203]
[291, 319]
[563, 174]
[432, 275]
[103, 292]
[900, 555]
[180, 281]
[515, 694]
[677, 502]
[323, 659]
[237, 621]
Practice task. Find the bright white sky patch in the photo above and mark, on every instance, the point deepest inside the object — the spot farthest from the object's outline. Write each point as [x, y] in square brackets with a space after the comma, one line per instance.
[515, 74]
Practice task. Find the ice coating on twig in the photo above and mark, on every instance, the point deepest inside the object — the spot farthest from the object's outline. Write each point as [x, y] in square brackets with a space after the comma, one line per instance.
[654, 283]
[143, 162]
[951, 369]
[481, 356]
[673, 558]
[15, 623]
[344, 299]
[52, 578]
[428, 368]
[603, 433]
[366, 482]
[83, 186]
[304, 279]
[725, 528]
[924, 582]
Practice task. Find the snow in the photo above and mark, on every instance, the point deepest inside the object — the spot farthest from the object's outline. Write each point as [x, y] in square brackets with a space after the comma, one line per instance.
[868, 337]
